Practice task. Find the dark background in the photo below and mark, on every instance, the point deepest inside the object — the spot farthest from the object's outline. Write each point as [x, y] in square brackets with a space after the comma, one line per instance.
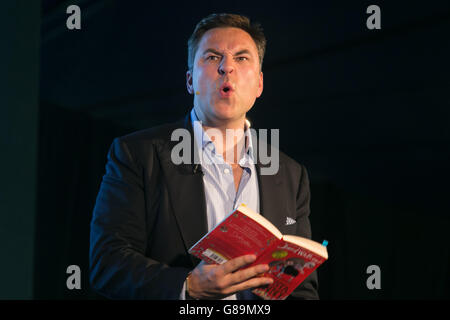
[366, 111]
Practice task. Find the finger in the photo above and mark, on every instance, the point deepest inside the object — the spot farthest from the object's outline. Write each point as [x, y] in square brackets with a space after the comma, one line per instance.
[245, 274]
[236, 263]
[249, 284]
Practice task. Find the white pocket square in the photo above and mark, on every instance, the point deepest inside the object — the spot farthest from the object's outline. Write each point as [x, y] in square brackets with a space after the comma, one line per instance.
[290, 221]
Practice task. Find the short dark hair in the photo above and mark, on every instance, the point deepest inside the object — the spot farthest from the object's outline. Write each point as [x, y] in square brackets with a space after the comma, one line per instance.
[226, 20]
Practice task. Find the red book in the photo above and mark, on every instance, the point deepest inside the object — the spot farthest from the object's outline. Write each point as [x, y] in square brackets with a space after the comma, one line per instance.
[291, 258]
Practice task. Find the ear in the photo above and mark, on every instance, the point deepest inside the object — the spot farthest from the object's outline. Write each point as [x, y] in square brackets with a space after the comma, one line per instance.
[260, 85]
[189, 86]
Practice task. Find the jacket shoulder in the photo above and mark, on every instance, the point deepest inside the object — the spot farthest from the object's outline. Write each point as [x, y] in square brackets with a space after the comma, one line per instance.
[141, 145]
[159, 133]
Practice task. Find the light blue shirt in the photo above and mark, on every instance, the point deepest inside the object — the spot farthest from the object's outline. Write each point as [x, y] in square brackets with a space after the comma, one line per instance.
[218, 179]
[220, 190]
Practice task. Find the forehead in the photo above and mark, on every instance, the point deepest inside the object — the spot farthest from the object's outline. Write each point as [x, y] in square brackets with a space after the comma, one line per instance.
[227, 39]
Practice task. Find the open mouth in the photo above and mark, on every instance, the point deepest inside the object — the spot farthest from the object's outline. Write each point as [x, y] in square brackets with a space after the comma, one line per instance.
[226, 89]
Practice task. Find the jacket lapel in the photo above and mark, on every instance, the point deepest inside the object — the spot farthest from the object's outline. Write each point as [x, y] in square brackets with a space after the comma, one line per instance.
[186, 191]
[271, 195]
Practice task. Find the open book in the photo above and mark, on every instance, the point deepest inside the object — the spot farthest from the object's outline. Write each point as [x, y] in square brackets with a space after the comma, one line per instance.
[243, 231]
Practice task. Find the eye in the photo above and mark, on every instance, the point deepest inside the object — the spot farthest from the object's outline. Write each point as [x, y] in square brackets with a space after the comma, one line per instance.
[241, 58]
[212, 58]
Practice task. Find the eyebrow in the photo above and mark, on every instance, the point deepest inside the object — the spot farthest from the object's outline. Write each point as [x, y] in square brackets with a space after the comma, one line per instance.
[244, 51]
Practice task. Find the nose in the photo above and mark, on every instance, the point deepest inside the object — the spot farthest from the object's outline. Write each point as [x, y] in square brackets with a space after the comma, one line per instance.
[226, 66]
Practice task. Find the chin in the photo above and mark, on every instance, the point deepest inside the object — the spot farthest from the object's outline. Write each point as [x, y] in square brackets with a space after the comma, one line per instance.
[226, 112]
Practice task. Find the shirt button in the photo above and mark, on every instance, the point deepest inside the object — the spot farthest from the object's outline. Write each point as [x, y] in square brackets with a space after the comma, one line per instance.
[226, 171]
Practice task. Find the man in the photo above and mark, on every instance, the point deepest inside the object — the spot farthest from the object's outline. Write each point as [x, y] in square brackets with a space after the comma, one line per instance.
[151, 209]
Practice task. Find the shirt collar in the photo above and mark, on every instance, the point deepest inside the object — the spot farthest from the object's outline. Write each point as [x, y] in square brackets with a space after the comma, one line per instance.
[202, 139]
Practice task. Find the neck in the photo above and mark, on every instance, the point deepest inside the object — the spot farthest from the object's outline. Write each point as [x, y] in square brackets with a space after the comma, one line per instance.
[222, 125]
[227, 136]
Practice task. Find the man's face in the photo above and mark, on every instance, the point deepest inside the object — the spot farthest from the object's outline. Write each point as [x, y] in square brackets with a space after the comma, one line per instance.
[226, 77]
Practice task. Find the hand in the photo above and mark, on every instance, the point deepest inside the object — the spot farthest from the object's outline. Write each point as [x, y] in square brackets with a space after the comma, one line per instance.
[208, 281]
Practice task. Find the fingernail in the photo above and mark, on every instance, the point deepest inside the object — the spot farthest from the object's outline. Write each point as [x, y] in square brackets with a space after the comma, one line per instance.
[264, 268]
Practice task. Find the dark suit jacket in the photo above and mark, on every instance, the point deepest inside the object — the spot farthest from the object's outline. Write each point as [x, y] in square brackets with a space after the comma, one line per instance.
[149, 212]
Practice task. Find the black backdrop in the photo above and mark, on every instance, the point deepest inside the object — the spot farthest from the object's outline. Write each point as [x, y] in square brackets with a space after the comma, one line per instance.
[366, 111]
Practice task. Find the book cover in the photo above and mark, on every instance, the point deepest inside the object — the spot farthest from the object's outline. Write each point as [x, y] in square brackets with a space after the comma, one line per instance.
[246, 232]
[290, 265]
